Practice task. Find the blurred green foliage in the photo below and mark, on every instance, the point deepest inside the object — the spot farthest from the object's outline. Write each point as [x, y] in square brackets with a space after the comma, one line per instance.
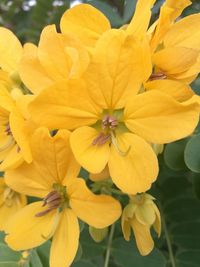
[178, 187]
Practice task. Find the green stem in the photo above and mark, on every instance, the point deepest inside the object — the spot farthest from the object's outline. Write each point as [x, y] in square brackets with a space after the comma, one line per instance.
[109, 246]
[117, 192]
[169, 245]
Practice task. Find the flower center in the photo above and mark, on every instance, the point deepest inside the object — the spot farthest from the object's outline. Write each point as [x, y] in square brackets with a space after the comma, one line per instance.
[56, 199]
[109, 124]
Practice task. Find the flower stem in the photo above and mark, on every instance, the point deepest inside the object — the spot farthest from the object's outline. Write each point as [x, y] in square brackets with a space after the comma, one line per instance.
[169, 245]
[109, 246]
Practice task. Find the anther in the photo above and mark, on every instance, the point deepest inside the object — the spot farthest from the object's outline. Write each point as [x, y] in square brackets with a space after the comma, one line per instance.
[101, 139]
[109, 122]
[53, 201]
[157, 76]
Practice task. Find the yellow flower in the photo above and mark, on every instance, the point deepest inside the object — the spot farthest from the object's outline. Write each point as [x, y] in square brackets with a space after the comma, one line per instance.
[169, 12]
[103, 175]
[89, 24]
[58, 56]
[175, 51]
[141, 214]
[52, 176]
[11, 52]
[113, 120]
[15, 130]
[10, 203]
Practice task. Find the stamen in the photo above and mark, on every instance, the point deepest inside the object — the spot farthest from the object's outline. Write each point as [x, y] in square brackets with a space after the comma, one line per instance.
[157, 76]
[53, 200]
[101, 139]
[109, 122]
[116, 145]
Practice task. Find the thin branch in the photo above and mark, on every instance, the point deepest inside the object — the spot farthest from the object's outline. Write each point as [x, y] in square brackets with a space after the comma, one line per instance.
[109, 246]
[169, 245]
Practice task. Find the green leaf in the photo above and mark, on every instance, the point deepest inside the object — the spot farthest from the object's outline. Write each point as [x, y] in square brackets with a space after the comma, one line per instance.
[9, 264]
[35, 259]
[83, 263]
[196, 184]
[192, 154]
[183, 208]
[89, 247]
[7, 254]
[186, 235]
[43, 252]
[189, 258]
[129, 9]
[174, 155]
[126, 254]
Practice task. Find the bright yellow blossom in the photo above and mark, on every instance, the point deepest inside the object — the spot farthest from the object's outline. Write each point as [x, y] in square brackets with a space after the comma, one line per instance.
[141, 214]
[89, 24]
[10, 203]
[175, 51]
[14, 130]
[57, 57]
[11, 52]
[52, 176]
[113, 121]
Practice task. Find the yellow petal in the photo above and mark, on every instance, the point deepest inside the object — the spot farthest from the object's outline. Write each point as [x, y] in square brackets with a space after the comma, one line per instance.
[9, 207]
[140, 21]
[185, 33]
[169, 11]
[31, 71]
[191, 73]
[7, 211]
[98, 211]
[157, 223]
[143, 237]
[100, 176]
[126, 228]
[65, 105]
[92, 157]
[136, 171]
[6, 100]
[145, 214]
[53, 158]
[85, 21]
[53, 163]
[68, 58]
[27, 180]
[21, 133]
[119, 66]
[13, 159]
[178, 90]
[175, 60]
[65, 240]
[158, 118]
[25, 230]
[10, 50]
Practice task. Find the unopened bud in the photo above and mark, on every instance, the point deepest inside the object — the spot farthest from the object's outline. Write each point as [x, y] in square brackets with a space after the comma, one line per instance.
[98, 235]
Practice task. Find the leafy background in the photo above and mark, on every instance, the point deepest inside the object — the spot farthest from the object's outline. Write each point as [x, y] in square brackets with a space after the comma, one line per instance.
[177, 189]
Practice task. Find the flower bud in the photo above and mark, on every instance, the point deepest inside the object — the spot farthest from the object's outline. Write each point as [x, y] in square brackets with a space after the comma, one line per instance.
[140, 215]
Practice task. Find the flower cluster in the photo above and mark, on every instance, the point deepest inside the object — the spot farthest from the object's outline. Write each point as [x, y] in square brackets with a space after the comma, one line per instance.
[101, 99]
